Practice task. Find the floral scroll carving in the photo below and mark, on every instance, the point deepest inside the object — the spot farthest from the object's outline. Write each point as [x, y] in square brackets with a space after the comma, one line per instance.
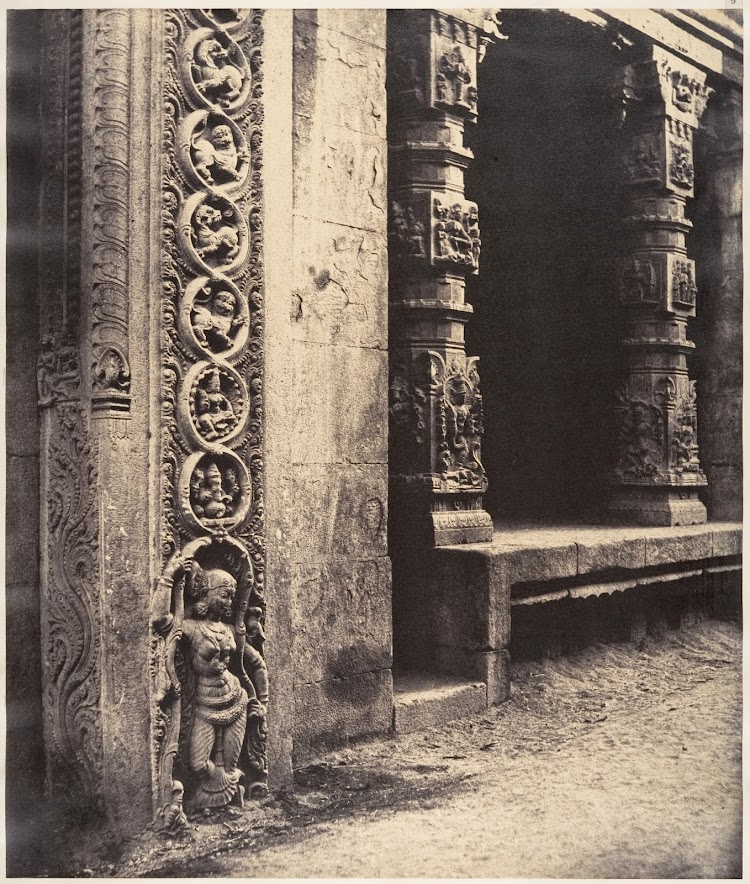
[436, 419]
[208, 676]
[71, 627]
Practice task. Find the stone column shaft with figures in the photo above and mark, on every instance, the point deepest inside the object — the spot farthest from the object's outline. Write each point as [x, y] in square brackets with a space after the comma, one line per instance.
[437, 476]
[658, 475]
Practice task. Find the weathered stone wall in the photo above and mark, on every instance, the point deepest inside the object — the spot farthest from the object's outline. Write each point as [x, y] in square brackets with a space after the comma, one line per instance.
[718, 234]
[338, 267]
[23, 656]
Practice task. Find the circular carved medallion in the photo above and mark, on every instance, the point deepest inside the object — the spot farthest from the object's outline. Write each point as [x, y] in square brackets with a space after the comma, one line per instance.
[215, 401]
[213, 151]
[214, 233]
[214, 317]
[215, 490]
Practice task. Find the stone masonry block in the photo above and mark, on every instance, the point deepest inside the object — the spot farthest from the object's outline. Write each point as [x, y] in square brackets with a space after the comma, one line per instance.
[340, 290]
[721, 430]
[490, 667]
[341, 512]
[22, 426]
[724, 493]
[612, 553]
[342, 78]
[436, 701]
[726, 541]
[664, 548]
[342, 619]
[341, 405]
[340, 176]
[22, 519]
[727, 185]
[548, 562]
[493, 668]
[330, 713]
[470, 599]
[362, 24]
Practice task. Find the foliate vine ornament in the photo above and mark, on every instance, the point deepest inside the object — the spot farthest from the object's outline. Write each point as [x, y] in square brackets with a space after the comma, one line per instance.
[71, 626]
[209, 681]
[438, 404]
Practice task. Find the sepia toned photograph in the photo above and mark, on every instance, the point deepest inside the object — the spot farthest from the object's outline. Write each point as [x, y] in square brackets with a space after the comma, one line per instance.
[373, 411]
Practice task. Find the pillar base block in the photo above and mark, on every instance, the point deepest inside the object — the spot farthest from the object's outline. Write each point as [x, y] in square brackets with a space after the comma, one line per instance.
[656, 507]
[468, 526]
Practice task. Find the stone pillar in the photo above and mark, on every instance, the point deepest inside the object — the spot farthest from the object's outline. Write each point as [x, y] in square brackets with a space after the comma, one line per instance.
[436, 473]
[151, 383]
[658, 475]
[720, 215]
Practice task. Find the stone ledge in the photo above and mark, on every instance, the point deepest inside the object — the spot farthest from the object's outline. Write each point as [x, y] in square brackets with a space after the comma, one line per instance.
[528, 552]
[423, 700]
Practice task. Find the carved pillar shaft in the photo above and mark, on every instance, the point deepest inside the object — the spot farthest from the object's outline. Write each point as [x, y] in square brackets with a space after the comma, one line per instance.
[437, 477]
[657, 476]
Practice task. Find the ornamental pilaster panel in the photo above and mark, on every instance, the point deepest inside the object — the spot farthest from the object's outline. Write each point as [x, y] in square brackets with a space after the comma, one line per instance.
[657, 473]
[150, 379]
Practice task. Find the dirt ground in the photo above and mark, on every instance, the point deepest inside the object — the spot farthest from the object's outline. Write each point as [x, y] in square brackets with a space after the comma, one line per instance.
[622, 761]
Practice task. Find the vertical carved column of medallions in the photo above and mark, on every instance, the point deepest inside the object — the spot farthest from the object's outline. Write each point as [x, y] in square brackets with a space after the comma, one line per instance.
[657, 476]
[69, 530]
[437, 477]
[212, 420]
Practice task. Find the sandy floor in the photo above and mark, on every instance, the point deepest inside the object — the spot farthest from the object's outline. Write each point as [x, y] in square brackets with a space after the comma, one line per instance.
[619, 762]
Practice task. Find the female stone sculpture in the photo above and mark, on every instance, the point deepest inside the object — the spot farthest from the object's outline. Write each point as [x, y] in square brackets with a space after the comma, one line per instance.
[220, 701]
[210, 684]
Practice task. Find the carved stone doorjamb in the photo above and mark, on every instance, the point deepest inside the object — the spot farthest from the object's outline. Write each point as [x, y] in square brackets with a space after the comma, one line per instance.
[657, 476]
[436, 471]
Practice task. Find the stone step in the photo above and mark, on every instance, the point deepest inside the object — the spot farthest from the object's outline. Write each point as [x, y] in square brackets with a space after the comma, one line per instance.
[424, 699]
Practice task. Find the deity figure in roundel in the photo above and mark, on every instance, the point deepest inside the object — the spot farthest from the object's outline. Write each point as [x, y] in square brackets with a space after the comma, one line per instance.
[214, 412]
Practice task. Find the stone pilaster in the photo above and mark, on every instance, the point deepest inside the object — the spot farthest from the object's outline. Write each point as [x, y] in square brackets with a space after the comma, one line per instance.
[658, 475]
[437, 476]
[719, 217]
